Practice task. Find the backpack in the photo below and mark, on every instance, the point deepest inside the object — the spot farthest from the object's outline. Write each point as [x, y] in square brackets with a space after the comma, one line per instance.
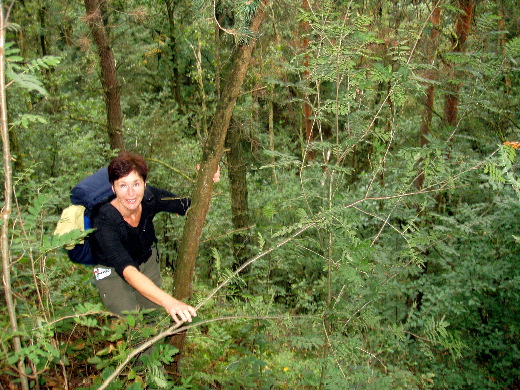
[88, 193]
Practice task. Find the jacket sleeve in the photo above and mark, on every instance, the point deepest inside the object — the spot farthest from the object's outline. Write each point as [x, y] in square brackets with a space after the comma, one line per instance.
[169, 202]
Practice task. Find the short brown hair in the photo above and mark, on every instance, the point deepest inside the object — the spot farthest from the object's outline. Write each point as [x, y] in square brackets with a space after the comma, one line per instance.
[124, 164]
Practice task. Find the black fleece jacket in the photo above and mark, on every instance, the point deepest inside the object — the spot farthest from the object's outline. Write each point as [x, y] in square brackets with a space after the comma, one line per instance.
[116, 244]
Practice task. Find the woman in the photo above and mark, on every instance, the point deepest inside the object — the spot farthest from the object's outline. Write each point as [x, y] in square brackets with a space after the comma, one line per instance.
[124, 242]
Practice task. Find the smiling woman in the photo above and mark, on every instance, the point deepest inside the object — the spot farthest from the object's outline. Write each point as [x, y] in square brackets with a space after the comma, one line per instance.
[124, 242]
[129, 192]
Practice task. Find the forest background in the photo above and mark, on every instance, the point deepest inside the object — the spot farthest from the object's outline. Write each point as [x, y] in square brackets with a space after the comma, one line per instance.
[365, 231]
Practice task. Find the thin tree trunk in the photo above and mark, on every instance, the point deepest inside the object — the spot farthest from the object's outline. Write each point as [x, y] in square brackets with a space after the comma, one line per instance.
[307, 110]
[202, 126]
[174, 77]
[271, 130]
[239, 202]
[6, 210]
[217, 57]
[427, 116]
[502, 40]
[213, 150]
[42, 12]
[462, 25]
[108, 73]
[450, 119]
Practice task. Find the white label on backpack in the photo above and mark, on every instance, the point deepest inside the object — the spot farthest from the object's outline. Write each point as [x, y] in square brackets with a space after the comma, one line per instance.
[102, 273]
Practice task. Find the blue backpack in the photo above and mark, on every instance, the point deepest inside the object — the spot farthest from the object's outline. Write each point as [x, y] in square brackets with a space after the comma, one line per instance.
[88, 193]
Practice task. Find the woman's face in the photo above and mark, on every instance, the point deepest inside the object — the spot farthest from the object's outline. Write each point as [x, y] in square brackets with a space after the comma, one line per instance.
[129, 191]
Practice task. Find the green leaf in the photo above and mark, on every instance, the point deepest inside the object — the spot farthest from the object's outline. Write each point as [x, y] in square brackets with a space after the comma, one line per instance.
[94, 360]
[44, 62]
[130, 319]
[135, 385]
[27, 119]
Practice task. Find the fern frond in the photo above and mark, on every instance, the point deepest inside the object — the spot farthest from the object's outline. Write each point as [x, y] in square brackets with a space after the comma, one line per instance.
[513, 47]
[487, 22]
[14, 27]
[27, 81]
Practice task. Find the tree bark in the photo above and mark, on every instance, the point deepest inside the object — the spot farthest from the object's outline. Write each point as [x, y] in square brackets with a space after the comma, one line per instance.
[42, 13]
[427, 116]
[6, 209]
[172, 45]
[462, 25]
[271, 131]
[212, 152]
[217, 57]
[237, 172]
[108, 72]
[502, 40]
[307, 110]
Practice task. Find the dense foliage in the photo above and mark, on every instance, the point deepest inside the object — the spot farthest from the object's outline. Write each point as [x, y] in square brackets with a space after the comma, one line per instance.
[381, 255]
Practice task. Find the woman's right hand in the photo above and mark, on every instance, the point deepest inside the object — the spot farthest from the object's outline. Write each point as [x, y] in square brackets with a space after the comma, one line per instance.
[180, 311]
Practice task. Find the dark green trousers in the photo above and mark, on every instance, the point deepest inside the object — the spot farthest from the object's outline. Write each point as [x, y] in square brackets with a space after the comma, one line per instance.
[117, 295]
